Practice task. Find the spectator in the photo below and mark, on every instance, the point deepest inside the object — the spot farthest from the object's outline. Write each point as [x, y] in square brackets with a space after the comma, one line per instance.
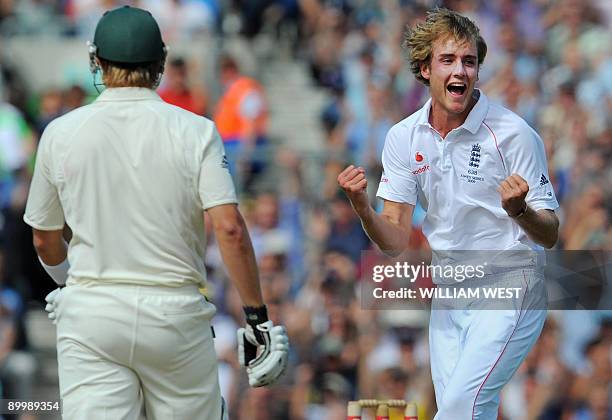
[17, 368]
[183, 20]
[241, 116]
[177, 89]
[74, 97]
[346, 235]
[50, 108]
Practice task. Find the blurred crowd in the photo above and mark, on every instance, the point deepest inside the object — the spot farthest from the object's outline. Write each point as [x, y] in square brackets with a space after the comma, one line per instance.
[548, 60]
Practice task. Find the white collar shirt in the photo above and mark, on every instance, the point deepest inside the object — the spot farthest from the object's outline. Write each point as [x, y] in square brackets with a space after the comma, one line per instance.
[456, 178]
[131, 176]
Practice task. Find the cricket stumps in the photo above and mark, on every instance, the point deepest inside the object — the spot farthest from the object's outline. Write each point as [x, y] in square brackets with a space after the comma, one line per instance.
[354, 409]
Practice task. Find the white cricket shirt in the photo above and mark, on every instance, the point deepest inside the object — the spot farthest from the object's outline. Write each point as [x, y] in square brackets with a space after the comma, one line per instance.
[131, 175]
[456, 178]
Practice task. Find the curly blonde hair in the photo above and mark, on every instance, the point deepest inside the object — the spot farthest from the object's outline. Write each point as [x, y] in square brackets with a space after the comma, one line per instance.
[146, 75]
[440, 23]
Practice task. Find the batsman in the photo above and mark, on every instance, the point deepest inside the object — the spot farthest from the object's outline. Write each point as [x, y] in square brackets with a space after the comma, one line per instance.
[133, 178]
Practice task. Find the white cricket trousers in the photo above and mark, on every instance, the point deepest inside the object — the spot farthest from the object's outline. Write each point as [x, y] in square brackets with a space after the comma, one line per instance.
[476, 348]
[125, 350]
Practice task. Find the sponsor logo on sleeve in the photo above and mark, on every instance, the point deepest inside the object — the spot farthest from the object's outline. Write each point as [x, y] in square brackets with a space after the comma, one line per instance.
[543, 180]
[224, 162]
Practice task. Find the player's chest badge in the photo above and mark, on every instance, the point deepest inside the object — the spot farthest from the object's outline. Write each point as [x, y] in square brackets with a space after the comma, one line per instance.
[471, 174]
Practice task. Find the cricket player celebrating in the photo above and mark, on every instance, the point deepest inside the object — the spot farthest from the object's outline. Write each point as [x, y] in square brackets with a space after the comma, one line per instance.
[480, 172]
[132, 177]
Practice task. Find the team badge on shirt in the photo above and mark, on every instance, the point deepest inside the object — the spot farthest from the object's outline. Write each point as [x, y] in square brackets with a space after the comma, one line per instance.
[418, 157]
[472, 176]
[475, 156]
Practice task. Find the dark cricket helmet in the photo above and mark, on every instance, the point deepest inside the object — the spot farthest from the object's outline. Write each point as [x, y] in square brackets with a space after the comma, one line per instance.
[128, 35]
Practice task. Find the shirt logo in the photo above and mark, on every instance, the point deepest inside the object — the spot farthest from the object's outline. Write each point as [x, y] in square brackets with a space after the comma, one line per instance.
[224, 162]
[472, 176]
[475, 156]
[418, 157]
[543, 180]
[421, 170]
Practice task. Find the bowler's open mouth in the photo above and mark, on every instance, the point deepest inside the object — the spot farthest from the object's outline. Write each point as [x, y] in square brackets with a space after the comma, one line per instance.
[457, 88]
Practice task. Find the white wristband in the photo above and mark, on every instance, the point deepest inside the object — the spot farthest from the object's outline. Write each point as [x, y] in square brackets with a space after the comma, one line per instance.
[59, 273]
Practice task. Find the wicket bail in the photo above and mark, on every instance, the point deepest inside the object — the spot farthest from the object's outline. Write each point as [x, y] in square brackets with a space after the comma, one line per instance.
[354, 409]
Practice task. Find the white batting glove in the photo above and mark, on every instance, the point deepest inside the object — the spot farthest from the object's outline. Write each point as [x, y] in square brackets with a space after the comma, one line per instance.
[51, 300]
[263, 349]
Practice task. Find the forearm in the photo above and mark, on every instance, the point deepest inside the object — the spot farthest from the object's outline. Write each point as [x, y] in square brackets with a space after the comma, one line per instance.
[541, 226]
[239, 259]
[389, 236]
[54, 255]
[50, 247]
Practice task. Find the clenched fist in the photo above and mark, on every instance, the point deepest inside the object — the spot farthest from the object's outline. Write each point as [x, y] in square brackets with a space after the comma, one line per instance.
[354, 183]
[513, 191]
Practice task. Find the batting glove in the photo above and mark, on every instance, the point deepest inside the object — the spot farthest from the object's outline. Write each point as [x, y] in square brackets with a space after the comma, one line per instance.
[51, 300]
[262, 348]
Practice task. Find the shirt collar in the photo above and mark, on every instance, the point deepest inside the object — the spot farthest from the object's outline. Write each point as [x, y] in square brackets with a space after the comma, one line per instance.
[128, 94]
[423, 118]
[477, 115]
[474, 119]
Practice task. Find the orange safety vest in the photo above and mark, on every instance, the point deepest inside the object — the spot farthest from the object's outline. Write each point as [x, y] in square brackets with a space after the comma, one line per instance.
[230, 123]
